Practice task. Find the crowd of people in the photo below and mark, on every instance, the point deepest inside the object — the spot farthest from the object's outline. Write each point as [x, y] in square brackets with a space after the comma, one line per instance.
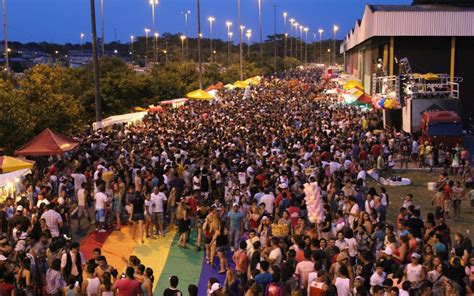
[233, 172]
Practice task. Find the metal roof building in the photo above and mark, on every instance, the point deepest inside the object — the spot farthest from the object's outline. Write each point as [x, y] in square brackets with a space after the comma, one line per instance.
[435, 35]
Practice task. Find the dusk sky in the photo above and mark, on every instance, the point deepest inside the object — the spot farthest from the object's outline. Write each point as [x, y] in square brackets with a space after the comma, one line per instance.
[62, 21]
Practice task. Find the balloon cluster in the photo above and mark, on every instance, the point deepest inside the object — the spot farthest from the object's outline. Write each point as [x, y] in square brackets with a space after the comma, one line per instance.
[384, 103]
[314, 203]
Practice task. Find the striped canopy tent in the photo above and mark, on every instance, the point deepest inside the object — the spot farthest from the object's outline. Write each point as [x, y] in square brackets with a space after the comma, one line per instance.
[10, 164]
[199, 95]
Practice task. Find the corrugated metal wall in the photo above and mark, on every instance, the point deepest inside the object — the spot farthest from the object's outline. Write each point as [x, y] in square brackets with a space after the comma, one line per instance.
[411, 23]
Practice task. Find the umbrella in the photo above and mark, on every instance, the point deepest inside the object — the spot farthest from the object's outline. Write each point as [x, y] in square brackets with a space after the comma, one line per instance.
[199, 95]
[10, 164]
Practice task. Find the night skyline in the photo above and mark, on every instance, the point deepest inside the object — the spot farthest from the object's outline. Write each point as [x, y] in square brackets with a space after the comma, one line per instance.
[60, 22]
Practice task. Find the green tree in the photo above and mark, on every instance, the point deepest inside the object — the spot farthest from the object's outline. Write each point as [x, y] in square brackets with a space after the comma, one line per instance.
[17, 122]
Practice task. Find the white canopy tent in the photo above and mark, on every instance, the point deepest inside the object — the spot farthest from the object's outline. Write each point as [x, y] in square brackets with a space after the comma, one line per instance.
[124, 118]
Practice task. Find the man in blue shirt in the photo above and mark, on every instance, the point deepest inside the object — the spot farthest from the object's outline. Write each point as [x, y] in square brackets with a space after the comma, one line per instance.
[264, 277]
[236, 219]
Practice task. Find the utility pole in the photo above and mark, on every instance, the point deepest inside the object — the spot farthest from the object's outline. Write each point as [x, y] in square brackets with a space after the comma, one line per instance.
[260, 25]
[95, 60]
[199, 43]
[275, 35]
[4, 7]
[240, 43]
[102, 25]
[286, 35]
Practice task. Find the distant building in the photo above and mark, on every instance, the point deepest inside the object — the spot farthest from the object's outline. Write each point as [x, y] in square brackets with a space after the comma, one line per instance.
[435, 36]
[78, 58]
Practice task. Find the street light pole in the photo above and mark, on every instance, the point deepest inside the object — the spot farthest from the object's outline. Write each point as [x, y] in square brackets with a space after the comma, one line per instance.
[249, 34]
[156, 35]
[260, 27]
[82, 42]
[186, 31]
[334, 31]
[131, 46]
[4, 8]
[320, 45]
[295, 25]
[285, 14]
[240, 43]
[292, 21]
[199, 42]
[228, 24]
[301, 38]
[155, 53]
[230, 34]
[314, 51]
[182, 37]
[102, 25]
[306, 45]
[275, 36]
[146, 45]
[95, 60]
[211, 20]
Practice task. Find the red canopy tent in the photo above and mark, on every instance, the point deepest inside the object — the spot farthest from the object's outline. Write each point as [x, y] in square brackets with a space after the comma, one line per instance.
[48, 142]
[365, 99]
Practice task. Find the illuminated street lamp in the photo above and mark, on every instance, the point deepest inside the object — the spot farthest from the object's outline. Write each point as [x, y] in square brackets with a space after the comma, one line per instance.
[131, 46]
[285, 14]
[321, 31]
[301, 38]
[146, 45]
[82, 42]
[292, 21]
[153, 3]
[211, 20]
[334, 32]
[186, 14]
[296, 25]
[249, 35]
[182, 37]
[229, 37]
[156, 35]
[306, 44]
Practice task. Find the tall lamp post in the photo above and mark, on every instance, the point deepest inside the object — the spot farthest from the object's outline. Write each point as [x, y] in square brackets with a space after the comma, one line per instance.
[131, 46]
[186, 14]
[320, 45]
[199, 42]
[182, 37]
[102, 26]
[155, 40]
[329, 56]
[228, 24]
[4, 8]
[82, 43]
[95, 61]
[240, 43]
[146, 45]
[249, 35]
[314, 50]
[275, 37]
[285, 14]
[292, 21]
[301, 38]
[306, 29]
[230, 34]
[211, 20]
[295, 25]
[153, 3]
[334, 32]
[260, 27]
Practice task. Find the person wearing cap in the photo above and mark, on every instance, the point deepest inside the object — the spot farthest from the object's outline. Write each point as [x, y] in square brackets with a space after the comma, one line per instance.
[236, 226]
[19, 217]
[415, 272]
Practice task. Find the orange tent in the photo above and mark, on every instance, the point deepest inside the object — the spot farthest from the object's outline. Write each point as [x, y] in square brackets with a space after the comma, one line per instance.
[48, 142]
[216, 86]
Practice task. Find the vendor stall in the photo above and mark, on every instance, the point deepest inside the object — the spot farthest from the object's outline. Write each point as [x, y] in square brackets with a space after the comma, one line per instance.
[9, 182]
[124, 118]
[176, 103]
[199, 95]
[47, 143]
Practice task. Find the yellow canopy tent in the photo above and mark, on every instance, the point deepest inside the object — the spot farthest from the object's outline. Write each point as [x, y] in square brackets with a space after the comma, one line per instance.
[139, 109]
[199, 95]
[252, 80]
[229, 86]
[353, 84]
[10, 164]
[240, 84]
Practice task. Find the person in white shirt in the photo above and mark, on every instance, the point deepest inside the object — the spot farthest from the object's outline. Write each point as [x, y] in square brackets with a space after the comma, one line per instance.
[156, 209]
[79, 178]
[342, 282]
[269, 200]
[82, 211]
[378, 276]
[100, 205]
